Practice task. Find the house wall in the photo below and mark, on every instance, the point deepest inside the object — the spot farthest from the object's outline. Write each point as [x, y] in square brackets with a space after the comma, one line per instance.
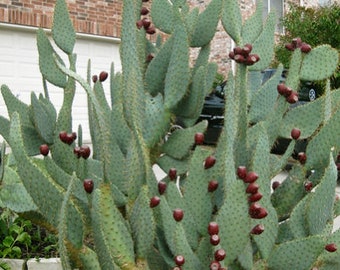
[100, 17]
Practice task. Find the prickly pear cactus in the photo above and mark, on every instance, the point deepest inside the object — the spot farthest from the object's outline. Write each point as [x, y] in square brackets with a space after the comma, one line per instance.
[216, 208]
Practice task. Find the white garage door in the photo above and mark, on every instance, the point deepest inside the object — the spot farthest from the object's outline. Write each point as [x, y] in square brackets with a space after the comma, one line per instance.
[20, 71]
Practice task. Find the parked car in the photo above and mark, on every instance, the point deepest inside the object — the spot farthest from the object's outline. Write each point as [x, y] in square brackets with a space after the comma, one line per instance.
[213, 111]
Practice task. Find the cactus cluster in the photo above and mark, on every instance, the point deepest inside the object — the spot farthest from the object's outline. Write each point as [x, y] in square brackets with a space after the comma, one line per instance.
[215, 208]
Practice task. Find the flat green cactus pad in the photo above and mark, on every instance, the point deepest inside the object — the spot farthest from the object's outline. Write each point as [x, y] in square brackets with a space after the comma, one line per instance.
[319, 63]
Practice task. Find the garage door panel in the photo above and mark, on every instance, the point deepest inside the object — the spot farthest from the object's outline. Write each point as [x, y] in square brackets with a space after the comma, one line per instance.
[19, 68]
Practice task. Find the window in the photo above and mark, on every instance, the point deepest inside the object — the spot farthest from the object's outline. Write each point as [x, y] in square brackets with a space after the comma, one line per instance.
[277, 5]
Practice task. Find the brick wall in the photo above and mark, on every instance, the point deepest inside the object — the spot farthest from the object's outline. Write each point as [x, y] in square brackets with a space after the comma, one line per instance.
[222, 44]
[100, 17]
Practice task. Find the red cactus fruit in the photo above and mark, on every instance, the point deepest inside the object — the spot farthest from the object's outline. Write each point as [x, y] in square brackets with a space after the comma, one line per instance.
[85, 151]
[213, 185]
[275, 185]
[297, 42]
[151, 30]
[252, 59]
[178, 214]
[252, 188]
[251, 177]
[331, 247]
[261, 214]
[154, 201]
[139, 24]
[70, 139]
[74, 135]
[220, 254]
[248, 47]
[293, 97]
[146, 23]
[214, 239]
[302, 157]
[254, 208]
[76, 151]
[257, 211]
[245, 52]
[213, 228]
[149, 57]
[88, 185]
[308, 185]
[144, 11]
[94, 78]
[295, 133]
[215, 265]
[199, 138]
[256, 56]
[255, 197]
[209, 162]
[288, 93]
[231, 54]
[237, 50]
[44, 149]
[161, 187]
[63, 136]
[103, 76]
[282, 89]
[239, 58]
[172, 173]
[179, 260]
[66, 137]
[258, 229]
[241, 172]
[289, 46]
[305, 48]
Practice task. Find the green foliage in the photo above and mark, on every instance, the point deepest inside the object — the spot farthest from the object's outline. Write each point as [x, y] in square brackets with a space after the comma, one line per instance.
[12, 235]
[107, 207]
[22, 239]
[219, 79]
[315, 26]
[304, 22]
[4, 266]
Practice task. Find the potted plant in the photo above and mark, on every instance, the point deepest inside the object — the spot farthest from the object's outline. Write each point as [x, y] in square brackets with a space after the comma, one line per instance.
[215, 207]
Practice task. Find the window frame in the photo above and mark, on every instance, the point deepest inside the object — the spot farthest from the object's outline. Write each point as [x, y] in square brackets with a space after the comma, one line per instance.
[267, 7]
